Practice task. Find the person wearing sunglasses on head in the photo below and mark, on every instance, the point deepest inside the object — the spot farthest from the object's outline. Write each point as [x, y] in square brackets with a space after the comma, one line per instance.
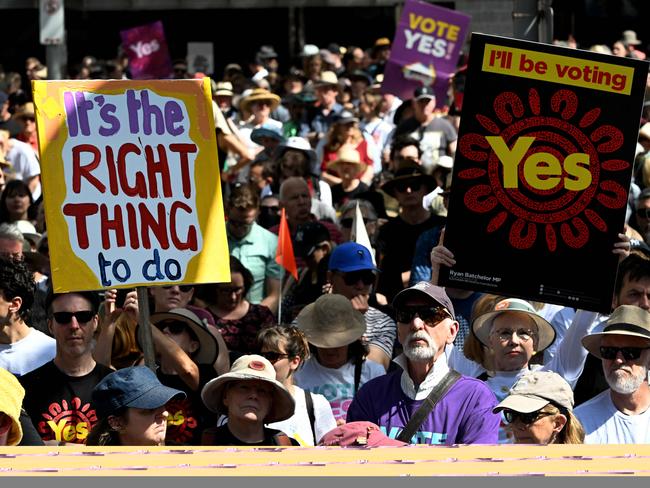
[620, 414]
[397, 238]
[539, 410]
[353, 275]
[58, 394]
[286, 348]
[338, 365]
[424, 401]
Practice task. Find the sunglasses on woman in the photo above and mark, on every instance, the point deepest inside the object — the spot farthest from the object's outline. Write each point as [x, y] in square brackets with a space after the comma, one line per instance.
[525, 418]
[183, 288]
[428, 315]
[405, 185]
[629, 353]
[273, 356]
[347, 222]
[174, 328]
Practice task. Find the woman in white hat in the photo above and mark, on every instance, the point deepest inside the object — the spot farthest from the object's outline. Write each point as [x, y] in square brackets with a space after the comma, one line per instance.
[251, 397]
[287, 349]
[539, 410]
[338, 366]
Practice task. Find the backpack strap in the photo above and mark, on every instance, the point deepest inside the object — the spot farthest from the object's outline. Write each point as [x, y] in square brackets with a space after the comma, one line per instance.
[309, 401]
[438, 392]
[358, 366]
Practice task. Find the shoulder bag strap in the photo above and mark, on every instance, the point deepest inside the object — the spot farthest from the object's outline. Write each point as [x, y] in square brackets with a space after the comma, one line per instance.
[309, 401]
[438, 392]
[358, 365]
[282, 439]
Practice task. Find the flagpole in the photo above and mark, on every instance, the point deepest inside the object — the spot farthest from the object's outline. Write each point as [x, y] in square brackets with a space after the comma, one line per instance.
[280, 299]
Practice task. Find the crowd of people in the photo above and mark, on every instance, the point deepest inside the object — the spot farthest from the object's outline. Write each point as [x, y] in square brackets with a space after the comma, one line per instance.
[362, 346]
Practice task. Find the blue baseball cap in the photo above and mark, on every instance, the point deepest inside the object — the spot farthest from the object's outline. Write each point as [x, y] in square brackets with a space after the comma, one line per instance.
[134, 387]
[349, 257]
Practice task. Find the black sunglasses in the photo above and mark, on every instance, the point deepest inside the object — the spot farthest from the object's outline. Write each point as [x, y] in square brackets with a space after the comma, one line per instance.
[526, 418]
[353, 277]
[402, 186]
[629, 353]
[174, 328]
[347, 223]
[429, 315]
[273, 356]
[82, 316]
[183, 288]
[644, 213]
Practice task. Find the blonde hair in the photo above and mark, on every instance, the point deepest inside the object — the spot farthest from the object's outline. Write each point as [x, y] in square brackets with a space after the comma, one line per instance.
[472, 348]
[572, 432]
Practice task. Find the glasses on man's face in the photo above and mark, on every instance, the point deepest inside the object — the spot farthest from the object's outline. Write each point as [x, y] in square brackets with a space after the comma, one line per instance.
[83, 316]
[273, 356]
[182, 288]
[629, 353]
[174, 328]
[525, 418]
[353, 277]
[429, 315]
[643, 213]
[347, 222]
[405, 185]
[504, 335]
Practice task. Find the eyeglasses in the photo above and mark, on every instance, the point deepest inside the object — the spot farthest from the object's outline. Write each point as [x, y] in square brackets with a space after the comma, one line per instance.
[273, 356]
[229, 290]
[405, 185]
[429, 315]
[174, 328]
[523, 334]
[82, 316]
[644, 213]
[183, 288]
[629, 353]
[525, 418]
[353, 277]
[347, 222]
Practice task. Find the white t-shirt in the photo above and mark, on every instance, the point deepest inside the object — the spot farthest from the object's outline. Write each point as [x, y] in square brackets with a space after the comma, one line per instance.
[27, 354]
[299, 427]
[24, 163]
[337, 385]
[605, 424]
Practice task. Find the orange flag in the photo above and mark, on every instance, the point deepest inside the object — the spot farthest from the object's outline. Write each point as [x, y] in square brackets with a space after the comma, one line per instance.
[284, 255]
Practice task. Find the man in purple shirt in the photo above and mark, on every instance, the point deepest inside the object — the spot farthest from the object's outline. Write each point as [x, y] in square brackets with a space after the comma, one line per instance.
[426, 324]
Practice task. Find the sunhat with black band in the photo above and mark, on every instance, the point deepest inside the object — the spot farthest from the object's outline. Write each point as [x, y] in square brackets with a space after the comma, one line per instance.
[257, 95]
[535, 390]
[482, 325]
[626, 320]
[411, 172]
[250, 367]
[331, 321]
[208, 347]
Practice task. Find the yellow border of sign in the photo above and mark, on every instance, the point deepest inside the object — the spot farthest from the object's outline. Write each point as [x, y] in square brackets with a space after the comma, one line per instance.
[69, 272]
[512, 69]
[477, 460]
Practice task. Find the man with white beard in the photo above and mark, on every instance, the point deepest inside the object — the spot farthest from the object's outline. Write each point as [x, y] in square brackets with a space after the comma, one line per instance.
[463, 414]
[621, 414]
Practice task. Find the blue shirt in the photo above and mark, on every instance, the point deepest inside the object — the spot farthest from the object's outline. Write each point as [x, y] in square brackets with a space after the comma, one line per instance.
[256, 251]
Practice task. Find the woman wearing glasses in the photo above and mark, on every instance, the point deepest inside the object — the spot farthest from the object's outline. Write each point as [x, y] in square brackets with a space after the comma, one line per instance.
[237, 319]
[286, 348]
[539, 410]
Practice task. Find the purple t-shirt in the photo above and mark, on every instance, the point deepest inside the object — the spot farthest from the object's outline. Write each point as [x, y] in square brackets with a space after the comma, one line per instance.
[463, 416]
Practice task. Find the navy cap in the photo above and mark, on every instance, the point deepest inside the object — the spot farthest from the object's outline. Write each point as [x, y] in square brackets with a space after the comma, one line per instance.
[438, 294]
[349, 257]
[134, 387]
[424, 92]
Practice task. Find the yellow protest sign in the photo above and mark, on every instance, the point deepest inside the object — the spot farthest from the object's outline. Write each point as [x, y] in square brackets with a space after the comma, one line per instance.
[131, 183]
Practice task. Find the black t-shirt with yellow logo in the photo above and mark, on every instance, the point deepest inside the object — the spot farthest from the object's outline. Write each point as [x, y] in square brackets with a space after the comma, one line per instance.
[59, 405]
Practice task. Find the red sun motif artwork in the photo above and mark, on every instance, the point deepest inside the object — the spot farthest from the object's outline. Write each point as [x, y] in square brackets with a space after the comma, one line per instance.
[549, 213]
